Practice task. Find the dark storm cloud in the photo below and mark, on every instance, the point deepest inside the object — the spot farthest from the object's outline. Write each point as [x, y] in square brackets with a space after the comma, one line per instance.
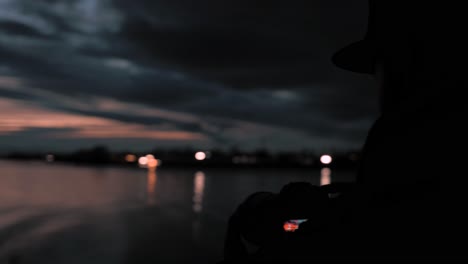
[14, 28]
[244, 43]
[263, 62]
[258, 45]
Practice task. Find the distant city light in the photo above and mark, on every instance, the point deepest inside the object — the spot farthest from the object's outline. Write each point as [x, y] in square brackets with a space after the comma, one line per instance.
[50, 158]
[326, 159]
[153, 163]
[200, 156]
[130, 158]
[143, 161]
[149, 161]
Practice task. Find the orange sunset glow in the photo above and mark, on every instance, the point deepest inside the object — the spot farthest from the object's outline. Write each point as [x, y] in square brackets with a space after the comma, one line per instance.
[15, 116]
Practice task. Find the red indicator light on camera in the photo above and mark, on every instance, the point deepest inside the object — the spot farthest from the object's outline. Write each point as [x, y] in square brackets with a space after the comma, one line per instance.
[293, 225]
[290, 227]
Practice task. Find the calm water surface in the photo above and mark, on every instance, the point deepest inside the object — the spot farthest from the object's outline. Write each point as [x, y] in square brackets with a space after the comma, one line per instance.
[59, 213]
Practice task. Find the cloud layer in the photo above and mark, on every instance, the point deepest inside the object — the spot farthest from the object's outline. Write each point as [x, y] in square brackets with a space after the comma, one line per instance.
[209, 73]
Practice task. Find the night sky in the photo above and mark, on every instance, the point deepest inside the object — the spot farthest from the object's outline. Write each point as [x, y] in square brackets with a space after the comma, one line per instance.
[157, 73]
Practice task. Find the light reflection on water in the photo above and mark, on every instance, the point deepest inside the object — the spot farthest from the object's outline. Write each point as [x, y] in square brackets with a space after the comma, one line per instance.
[160, 211]
[325, 176]
[151, 190]
[198, 190]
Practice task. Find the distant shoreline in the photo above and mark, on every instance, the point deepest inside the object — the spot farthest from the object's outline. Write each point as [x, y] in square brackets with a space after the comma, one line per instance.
[193, 159]
[177, 167]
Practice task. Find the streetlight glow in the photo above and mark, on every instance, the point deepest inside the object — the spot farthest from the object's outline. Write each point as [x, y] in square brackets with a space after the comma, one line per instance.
[326, 159]
[200, 156]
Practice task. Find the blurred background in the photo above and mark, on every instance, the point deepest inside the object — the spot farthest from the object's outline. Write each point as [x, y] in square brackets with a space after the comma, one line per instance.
[131, 130]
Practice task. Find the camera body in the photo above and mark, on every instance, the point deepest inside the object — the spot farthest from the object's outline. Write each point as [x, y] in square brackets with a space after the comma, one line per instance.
[298, 209]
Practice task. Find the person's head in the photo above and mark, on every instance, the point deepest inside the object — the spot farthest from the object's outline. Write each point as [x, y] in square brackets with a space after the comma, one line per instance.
[416, 50]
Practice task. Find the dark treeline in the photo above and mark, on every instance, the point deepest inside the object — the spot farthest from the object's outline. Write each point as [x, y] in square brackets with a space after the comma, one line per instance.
[186, 158]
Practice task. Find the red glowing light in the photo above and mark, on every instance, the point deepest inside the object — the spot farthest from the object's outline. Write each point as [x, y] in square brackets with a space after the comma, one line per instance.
[290, 227]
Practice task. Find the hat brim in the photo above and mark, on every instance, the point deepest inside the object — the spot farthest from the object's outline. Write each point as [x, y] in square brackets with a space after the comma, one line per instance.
[358, 57]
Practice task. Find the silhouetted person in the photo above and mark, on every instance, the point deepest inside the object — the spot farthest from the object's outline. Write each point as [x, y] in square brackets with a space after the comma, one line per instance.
[413, 180]
[413, 176]
[411, 190]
